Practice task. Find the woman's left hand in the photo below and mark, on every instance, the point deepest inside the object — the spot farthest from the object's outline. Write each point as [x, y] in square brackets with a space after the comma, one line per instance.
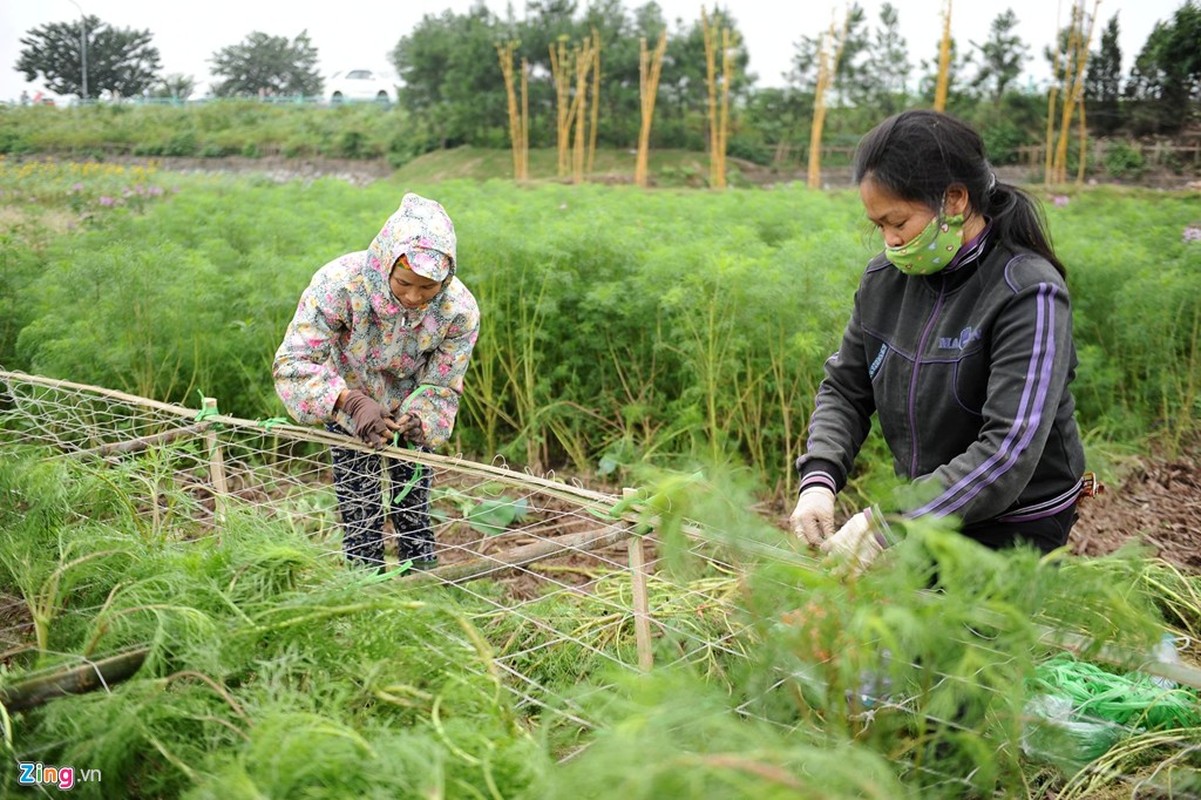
[411, 429]
[856, 543]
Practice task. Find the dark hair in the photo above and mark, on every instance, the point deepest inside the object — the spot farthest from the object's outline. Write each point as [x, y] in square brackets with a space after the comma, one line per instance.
[918, 155]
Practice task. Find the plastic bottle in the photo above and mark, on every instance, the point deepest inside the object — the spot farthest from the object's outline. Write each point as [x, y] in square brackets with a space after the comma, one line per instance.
[1165, 653]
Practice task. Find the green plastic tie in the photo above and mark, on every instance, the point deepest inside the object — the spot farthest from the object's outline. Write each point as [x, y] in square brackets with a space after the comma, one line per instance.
[204, 413]
[418, 470]
[272, 422]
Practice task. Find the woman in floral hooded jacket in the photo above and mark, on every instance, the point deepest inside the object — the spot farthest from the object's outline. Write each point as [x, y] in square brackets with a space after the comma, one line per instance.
[377, 349]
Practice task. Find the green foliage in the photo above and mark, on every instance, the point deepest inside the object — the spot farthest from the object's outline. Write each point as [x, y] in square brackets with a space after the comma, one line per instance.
[620, 326]
[210, 129]
[1167, 71]
[274, 671]
[1123, 161]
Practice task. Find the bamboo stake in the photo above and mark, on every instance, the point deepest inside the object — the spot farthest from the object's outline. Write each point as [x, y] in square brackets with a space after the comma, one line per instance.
[525, 119]
[942, 87]
[642, 621]
[650, 66]
[216, 465]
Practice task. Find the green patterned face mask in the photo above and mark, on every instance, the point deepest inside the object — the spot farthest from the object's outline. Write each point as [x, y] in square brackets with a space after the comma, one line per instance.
[932, 249]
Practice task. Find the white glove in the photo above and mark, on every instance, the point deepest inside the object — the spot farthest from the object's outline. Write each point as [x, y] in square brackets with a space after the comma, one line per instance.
[856, 544]
[813, 518]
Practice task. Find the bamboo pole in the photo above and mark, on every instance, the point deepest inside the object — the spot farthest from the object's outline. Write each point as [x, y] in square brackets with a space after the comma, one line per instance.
[942, 87]
[516, 122]
[711, 92]
[1075, 64]
[1052, 96]
[650, 65]
[723, 127]
[1059, 165]
[560, 68]
[142, 443]
[525, 119]
[518, 557]
[76, 680]
[596, 69]
[827, 67]
[584, 60]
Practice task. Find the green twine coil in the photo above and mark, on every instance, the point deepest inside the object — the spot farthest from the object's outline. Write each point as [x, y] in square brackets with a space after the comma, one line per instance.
[1131, 699]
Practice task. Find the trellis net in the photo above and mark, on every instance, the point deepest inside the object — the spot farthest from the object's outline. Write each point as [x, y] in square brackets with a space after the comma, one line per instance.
[539, 539]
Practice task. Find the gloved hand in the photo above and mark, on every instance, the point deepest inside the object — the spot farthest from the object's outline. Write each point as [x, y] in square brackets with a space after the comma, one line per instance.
[857, 543]
[411, 429]
[813, 518]
[371, 421]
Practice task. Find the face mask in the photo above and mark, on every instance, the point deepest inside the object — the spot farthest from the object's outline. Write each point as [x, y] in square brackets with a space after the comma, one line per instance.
[932, 249]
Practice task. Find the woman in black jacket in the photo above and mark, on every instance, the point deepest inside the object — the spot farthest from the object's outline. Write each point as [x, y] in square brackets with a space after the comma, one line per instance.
[960, 340]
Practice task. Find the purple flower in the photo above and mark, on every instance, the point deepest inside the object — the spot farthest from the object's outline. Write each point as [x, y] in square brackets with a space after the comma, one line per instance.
[1060, 200]
[105, 200]
[77, 187]
[155, 191]
[1192, 233]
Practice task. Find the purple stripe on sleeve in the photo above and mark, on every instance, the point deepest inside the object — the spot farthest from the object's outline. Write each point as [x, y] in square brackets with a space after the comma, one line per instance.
[1025, 424]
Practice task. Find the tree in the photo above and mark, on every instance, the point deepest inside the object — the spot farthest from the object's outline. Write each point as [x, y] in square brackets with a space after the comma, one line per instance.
[1167, 72]
[119, 61]
[1102, 87]
[1001, 56]
[175, 86]
[451, 81]
[885, 75]
[267, 64]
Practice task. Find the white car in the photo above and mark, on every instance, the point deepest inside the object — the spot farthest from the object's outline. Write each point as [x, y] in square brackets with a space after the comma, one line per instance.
[355, 85]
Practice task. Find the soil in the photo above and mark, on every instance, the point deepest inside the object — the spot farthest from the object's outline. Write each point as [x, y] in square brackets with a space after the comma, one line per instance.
[1157, 505]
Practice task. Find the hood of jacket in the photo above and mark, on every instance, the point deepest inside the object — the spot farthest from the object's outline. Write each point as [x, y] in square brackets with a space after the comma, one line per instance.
[422, 231]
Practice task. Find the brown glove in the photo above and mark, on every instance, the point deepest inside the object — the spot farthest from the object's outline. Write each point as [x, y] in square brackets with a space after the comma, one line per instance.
[411, 429]
[371, 422]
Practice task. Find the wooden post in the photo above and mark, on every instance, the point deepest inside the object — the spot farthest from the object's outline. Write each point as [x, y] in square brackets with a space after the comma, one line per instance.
[642, 620]
[216, 465]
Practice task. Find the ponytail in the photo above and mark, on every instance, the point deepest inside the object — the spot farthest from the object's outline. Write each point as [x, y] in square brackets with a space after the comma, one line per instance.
[1018, 220]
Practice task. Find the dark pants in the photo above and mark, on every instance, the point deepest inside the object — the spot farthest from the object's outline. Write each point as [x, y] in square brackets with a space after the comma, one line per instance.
[363, 507]
[1046, 534]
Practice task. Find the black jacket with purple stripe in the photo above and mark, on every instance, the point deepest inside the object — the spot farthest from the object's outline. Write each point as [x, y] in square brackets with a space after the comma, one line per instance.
[968, 371]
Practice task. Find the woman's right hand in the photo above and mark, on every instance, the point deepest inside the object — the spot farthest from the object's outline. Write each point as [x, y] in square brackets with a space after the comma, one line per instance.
[371, 421]
[813, 518]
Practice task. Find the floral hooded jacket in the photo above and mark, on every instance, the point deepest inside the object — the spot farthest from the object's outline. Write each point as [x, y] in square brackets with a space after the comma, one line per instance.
[350, 332]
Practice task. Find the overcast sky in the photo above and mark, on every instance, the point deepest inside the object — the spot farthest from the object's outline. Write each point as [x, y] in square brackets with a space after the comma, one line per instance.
[363, 32]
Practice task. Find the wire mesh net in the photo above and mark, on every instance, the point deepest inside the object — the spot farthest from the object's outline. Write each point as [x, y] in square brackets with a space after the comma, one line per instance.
[191, 472]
